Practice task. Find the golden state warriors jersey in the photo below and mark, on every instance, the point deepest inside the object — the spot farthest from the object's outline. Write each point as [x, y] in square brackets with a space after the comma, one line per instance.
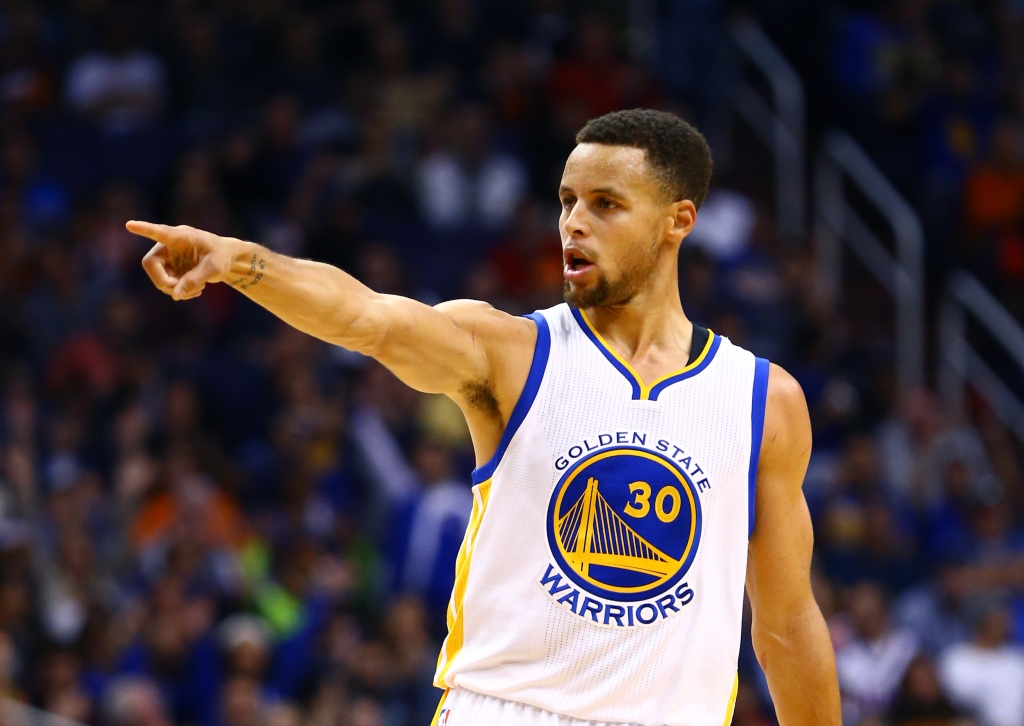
[602, 573]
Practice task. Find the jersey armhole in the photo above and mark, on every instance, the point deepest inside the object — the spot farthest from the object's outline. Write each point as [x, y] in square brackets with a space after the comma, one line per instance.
[757, 406]
[526, 398]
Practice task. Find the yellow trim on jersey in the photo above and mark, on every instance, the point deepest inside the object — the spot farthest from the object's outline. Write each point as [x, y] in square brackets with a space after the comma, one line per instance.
[732, 700]
[645, 390]
[456, 617]
[440, 705]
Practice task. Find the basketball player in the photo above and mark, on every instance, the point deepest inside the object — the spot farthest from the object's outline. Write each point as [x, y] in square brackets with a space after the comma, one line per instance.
[634, 469]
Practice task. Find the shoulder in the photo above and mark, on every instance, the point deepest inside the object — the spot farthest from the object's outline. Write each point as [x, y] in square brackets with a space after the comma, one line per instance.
[785, 396]
[787, 423]
[507, 342]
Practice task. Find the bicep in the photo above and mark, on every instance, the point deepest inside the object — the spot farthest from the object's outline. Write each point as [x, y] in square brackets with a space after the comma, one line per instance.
[778, 573]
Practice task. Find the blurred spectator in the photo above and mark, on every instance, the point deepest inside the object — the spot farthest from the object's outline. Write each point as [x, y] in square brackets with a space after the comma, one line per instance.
[467, 181]
[872, 665]
[921, 700]
[986, 674]
[934, 611]
[240, 703]
[594, 76]
[122, 86]
[245, 640]
[863, 533]
[8, 669]
[192, 508]
[428, 529]
[134, 701]
[42, 201]
[528, 262]
[994, 208]
[994, 193]
[726, 225]
[197, 197]
[884, 57]
[918, 446]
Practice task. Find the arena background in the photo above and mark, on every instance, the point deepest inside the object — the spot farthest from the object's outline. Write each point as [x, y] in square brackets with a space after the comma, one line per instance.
[207, 518]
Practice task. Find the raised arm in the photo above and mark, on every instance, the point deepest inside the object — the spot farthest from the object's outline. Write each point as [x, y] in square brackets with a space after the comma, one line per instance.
[790, 637]
[477, 355]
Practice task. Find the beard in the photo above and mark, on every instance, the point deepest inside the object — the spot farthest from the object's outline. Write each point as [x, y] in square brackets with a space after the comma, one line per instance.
[637, 273]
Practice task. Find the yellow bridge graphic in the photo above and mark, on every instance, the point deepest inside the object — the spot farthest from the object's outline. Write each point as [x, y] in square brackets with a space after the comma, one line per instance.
[592, 533]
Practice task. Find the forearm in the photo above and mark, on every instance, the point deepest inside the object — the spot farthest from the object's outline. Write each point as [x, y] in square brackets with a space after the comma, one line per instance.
[313, 297]
[800, 666]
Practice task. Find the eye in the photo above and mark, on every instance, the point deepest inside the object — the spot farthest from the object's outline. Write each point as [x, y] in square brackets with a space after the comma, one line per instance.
[605, 203]
[568, 201]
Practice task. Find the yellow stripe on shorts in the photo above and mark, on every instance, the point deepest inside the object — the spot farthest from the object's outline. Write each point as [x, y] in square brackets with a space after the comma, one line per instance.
[440, 705]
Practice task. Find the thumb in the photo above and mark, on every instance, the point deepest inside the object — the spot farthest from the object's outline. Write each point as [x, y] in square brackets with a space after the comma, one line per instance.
[193, 282]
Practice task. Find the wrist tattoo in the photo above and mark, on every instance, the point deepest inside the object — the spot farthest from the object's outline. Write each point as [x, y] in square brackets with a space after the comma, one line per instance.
[252, 277]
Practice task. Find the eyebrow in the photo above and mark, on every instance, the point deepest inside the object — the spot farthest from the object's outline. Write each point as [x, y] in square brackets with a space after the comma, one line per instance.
[611, 191]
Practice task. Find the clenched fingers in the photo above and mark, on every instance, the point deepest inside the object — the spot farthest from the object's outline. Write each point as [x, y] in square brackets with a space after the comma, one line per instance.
[155, 265]
[192, 283]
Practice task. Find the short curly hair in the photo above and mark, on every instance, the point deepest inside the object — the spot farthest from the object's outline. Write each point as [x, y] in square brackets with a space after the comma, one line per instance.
[675, 150]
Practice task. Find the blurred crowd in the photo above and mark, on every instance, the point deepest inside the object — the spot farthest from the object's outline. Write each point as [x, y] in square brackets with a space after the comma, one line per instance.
[207, 518]
[934, 89]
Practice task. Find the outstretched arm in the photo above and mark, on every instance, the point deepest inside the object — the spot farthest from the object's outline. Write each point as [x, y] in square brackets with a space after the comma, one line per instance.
[477, 355]
[789, 633]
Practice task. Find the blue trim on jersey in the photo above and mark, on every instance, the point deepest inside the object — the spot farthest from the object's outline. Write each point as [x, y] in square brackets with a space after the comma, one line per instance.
[526, 398]
[758, 401]
[612, 358]
[717, 340]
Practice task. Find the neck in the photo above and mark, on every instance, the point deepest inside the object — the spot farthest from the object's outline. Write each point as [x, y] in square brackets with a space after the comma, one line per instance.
[652, 324]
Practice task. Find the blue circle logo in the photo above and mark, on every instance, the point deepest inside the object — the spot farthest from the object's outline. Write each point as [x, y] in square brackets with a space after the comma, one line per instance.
[624, 523]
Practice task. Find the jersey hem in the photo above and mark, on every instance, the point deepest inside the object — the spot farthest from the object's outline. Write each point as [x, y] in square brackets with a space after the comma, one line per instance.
[530, 704]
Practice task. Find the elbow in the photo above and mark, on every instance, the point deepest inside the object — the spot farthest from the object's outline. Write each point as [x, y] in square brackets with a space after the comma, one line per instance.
[760, 647]
[801, 629]
[364, 331]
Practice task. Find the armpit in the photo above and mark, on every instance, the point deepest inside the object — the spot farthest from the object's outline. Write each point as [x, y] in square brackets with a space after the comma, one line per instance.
[480, 395]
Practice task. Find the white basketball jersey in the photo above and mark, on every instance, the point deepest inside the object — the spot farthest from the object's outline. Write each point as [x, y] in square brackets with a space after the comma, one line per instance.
[602, 573]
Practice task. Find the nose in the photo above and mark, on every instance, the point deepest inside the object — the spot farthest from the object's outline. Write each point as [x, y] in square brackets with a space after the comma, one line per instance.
[575, 223]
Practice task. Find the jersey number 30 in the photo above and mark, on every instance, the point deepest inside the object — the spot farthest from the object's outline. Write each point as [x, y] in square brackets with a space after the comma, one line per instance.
[641, 505]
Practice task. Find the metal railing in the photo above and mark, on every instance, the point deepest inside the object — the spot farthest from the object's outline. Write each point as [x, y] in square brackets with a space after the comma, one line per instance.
[960, 365]
[779, 124]
[837, 223]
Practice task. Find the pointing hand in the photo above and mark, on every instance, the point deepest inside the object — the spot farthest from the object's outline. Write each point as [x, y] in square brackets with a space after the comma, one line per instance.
[184, 259]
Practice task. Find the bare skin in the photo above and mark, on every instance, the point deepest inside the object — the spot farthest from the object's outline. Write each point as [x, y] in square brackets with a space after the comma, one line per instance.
[620, 238]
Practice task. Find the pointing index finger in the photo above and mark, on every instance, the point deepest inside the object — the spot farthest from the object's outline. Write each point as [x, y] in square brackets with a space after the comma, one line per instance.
[156, 232]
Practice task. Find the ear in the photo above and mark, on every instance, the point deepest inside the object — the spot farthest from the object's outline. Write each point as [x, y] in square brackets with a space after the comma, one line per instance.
[684, 216]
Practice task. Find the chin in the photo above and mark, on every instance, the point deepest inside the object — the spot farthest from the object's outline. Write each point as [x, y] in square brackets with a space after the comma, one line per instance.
[598, 294]
[584, 296]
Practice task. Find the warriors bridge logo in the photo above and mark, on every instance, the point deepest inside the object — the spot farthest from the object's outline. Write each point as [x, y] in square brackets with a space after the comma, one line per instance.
[623, 526]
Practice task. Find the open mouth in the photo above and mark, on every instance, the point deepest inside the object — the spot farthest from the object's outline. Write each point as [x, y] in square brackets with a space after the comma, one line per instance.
[575, 264]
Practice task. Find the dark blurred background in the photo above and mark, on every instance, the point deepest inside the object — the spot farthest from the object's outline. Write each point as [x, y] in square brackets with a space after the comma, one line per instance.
[207, 518]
